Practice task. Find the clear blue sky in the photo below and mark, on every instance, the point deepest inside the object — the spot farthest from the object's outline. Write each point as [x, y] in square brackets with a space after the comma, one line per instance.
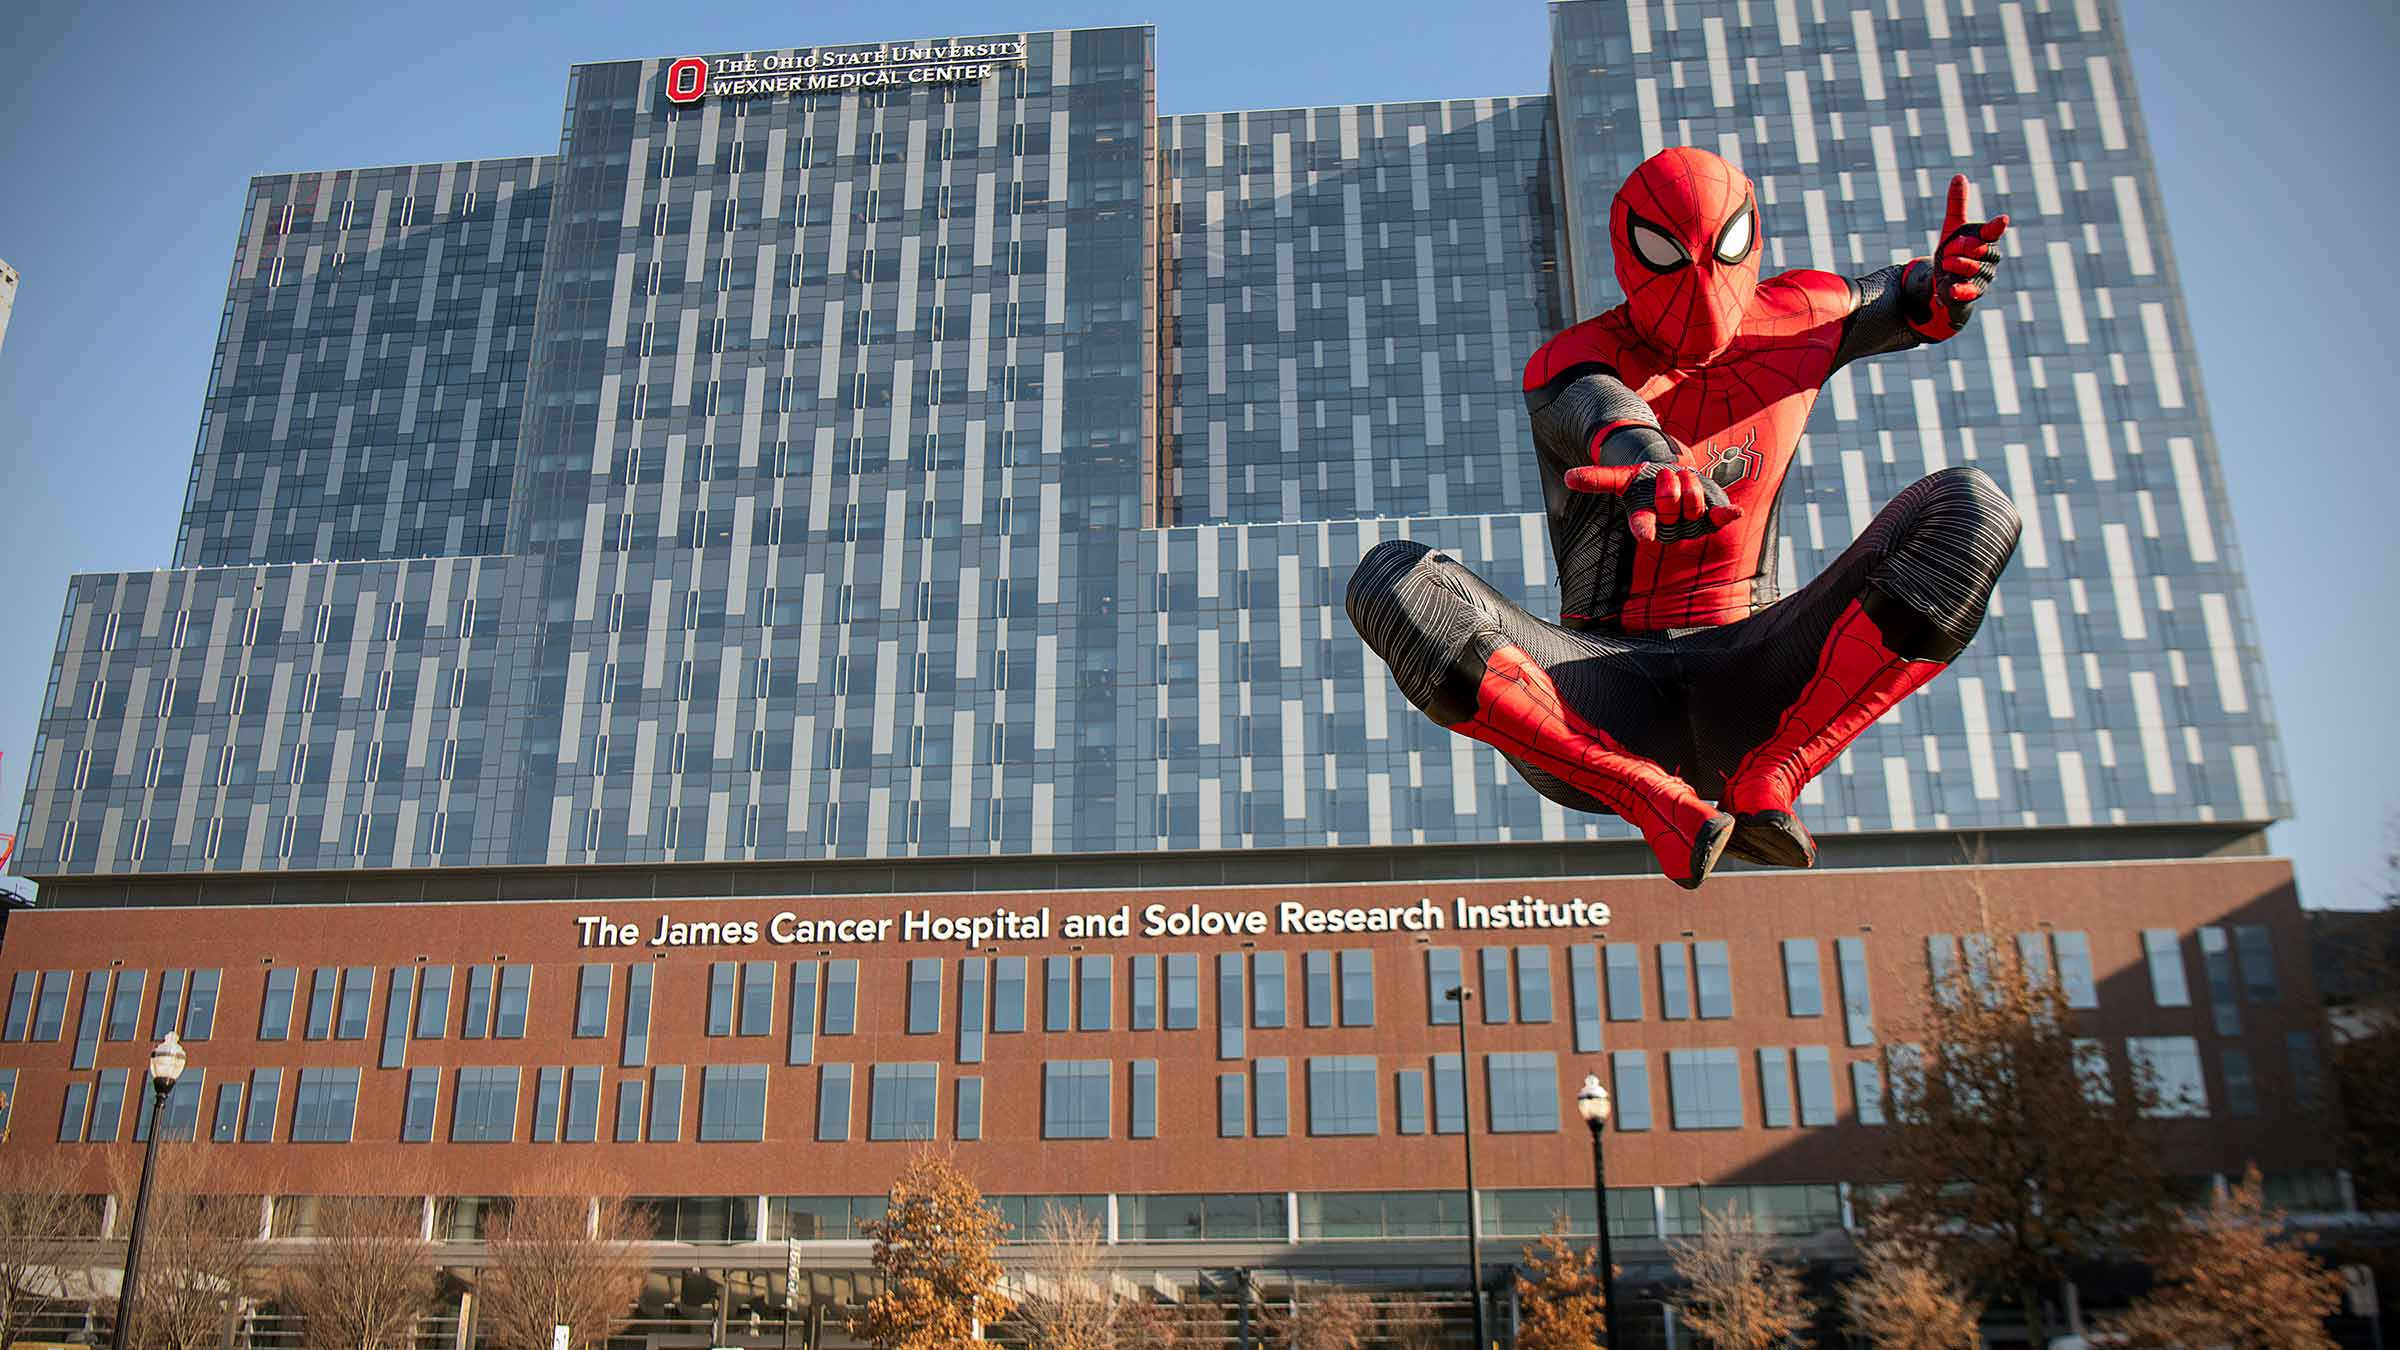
[127, 134]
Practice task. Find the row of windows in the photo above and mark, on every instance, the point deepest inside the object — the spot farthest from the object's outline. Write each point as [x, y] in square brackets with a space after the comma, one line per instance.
[186, 1004]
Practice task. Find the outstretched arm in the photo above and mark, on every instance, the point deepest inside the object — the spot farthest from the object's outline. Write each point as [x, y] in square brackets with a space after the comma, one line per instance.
[1602, 438]
[1924, 299]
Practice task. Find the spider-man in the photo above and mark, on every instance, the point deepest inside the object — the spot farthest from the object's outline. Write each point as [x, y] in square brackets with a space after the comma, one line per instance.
[1664, 429]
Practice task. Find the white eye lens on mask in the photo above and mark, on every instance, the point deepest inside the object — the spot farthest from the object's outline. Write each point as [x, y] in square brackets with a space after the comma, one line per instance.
[1657, 249]
[1733, 244]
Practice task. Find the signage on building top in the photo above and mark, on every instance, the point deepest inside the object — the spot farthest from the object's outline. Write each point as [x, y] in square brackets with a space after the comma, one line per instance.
[790, 928]
[764, 74]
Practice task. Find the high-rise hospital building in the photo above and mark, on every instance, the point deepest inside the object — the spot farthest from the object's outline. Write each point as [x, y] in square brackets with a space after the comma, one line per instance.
[634, 604]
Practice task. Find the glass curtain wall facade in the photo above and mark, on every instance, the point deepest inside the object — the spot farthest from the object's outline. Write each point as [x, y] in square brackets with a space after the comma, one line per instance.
[946, 470]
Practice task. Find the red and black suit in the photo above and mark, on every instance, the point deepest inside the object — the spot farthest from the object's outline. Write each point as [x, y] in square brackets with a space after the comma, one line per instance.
[1676, 690]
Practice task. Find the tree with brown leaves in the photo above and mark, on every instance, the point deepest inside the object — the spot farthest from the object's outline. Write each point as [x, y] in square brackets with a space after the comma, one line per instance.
[365, 1275]
[1900, 1300]
[1146, 1324]
[937, 1249]
[1558, 1294]
[1338, 1320]
[563, 1257]
[1068, 1300]
[1737, 1296]
[44, 1212]
[200, 1246]
[2016, 1156]
[2230, 1278]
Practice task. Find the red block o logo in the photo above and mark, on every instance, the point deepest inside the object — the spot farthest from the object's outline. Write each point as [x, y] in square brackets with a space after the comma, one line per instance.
[687, 80]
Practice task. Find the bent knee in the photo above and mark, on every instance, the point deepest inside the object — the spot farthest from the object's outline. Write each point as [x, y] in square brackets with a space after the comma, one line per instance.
[1380, 574]
[1966, 495]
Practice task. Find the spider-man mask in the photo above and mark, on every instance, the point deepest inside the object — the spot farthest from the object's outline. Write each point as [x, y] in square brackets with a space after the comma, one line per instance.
[1685, 231]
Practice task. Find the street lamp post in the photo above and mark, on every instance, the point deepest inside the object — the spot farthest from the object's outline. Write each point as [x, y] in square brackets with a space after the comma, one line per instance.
[166, 1065]
[1592, 1103]
[1459, 994]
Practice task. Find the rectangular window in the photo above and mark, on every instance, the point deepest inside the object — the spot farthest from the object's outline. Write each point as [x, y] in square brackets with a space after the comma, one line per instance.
[324, 1106]
[1142, 1115]
[358, 996]
[1008, 995]
[629, 1111]
[2223, 996]
[1342, 1092]
[227, 1126]
[20, 1006]
[722, 979]
[636, 1049]
[1866, 1088]
[125, 1006]
[758, 998]
[1774, 1087]
[733, 1103]
[841, 997]
[2091, 1066]
[2075, 979]
[200, 1010]
[395, 1018]
[1408, 1100]
[1533, 984]
[666, 1103]
[170, 1004]
[924, 996]
[515, 1002]
[1941, 965]
[583, 1105]
[72, 1114]
[2163, 952]
[1266, 990]
[591, 1001]
[87, 1025]
[324, 989]
[1231, 1004]
[1058, 993]
[1449, 1096]
[1715, 972]
[2033, 955]
[2173, 1064]
[971, 1001]
[545, 1105]
[1183, 992]
[1442, 976]
[1524, 1092]
[1803, 987]
[1624, 963]
[1631, 1108]
[50, 1006]
[108, 1107]
[970, 1108]
[433, 1003]
[1583, 992]
[483, 1110]
[266, 1092]
[424, 1100]
[1813, 1064]
[1674, 981]
[801, 1048]
[1858, 998]
[179, 1116]
[1706, 1089]
[1272, 1094]
[1075, 1099]
[476, 1020]
[1233, 1117]
[1094, 978]
[2252, 943]
[1317, 979]
[1358, 987]
[2241, 1088]
[1143, 983]
[2308, 1073]
[900, 1101]
[1494, 991]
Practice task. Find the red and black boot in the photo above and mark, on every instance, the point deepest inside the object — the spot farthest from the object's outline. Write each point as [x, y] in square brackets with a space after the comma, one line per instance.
[1858, 678]
[1517, 711]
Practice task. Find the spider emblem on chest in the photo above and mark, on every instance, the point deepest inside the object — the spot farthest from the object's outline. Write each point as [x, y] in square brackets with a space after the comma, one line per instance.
[1734, 463]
